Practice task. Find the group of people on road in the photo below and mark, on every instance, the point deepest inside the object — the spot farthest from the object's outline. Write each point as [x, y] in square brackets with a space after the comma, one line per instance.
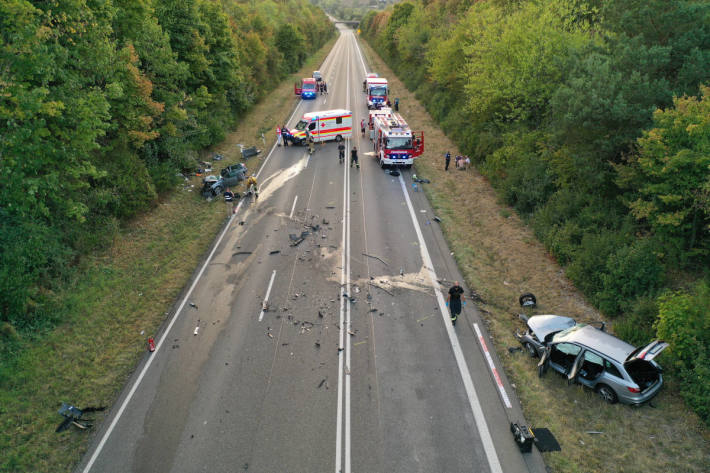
[282, 135]
[323, 87]
[232, 199]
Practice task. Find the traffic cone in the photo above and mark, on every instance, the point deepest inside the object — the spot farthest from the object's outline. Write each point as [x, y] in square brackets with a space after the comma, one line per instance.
[151, 344]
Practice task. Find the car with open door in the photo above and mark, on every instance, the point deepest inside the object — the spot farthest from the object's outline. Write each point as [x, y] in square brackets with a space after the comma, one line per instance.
[614, 369]
[540, 330]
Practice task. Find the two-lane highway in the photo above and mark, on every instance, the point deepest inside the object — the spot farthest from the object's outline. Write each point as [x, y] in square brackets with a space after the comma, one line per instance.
[333, 353]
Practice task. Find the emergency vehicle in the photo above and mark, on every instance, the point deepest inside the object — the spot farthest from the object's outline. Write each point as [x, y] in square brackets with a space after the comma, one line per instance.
[324, 126]
[395, 144]
[306, 88]
[377, 90]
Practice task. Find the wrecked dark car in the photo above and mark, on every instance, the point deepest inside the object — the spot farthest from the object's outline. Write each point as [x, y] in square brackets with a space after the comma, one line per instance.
[540, 330]
[614, 369]
[229, 177]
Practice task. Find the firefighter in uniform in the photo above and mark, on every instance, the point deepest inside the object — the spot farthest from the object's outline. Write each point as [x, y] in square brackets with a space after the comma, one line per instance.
[251, 185]
[454, 301]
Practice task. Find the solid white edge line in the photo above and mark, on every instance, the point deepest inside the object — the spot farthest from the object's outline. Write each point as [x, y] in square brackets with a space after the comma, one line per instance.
[266, 298]
[133, 389]
[476, 409]
[293, 207]
[492, 367]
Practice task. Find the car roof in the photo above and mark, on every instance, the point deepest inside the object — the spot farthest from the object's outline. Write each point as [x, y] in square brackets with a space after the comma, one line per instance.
[597, 340]
[543, 325]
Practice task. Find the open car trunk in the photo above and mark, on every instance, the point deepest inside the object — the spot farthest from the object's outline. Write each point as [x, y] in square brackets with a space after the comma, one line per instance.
[641, 367]
[644, 373]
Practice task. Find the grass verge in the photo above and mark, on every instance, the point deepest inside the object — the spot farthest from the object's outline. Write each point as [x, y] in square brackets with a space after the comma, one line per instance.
[124, 295]
[500, 259]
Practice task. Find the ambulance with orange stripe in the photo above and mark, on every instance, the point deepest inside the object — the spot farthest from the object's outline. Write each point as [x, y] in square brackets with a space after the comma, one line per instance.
[326, 125]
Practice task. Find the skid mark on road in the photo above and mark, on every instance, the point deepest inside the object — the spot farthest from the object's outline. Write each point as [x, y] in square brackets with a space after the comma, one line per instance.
[275, 181]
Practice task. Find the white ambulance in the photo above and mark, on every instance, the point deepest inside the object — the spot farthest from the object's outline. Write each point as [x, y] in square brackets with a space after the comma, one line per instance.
[326, 125]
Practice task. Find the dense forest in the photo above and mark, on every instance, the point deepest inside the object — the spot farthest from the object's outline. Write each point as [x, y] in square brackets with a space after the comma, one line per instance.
[102, 103]
[592, 119]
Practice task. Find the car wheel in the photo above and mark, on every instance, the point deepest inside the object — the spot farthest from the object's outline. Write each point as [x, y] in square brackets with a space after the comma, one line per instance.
[527, 300]
[339, 138]
[607, 394]
[531, 350]
[217, 190]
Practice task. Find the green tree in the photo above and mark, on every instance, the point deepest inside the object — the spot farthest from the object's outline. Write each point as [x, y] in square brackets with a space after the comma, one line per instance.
[291, 43]
[668, 177]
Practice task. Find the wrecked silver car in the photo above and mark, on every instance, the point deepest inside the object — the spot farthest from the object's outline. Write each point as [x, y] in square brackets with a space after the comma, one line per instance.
[540, 330]
[614, 369]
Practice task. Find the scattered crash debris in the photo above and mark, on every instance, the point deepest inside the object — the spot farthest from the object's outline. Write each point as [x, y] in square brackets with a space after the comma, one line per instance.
[474, 296]
[297, 240]
[73, 416]
[193, 305]
[241, 253]
[197, 329]
[437, 219]
[274, 252]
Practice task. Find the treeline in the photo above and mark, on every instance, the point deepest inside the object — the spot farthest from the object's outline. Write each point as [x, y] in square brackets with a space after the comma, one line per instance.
[102, 102]
[348, 10]
[591, 119]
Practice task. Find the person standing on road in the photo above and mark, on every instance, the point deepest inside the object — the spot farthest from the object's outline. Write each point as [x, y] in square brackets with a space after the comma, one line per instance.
[325, 88]
[229, 199]
[454, 301]
[284, 134]
[341, 152]
[448, 160]
[252, 186]
[278, 135]
[362, 126]
[353, 158]
[311, 144]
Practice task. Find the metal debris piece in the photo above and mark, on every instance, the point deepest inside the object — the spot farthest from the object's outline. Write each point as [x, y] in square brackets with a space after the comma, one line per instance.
[268, 334]
[274, 252]
[241, 253]
[193, 305]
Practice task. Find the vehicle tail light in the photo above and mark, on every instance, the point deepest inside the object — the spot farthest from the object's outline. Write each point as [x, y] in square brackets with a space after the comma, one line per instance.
[633, 390]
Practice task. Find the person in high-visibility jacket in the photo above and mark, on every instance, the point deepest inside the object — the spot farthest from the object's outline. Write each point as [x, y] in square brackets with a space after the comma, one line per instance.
[252, 186]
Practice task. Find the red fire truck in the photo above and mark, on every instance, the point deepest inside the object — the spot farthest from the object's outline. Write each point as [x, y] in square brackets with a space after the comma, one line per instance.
[395, 144]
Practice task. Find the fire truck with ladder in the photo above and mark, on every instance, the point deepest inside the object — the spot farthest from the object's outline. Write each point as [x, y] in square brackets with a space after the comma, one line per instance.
[395, 144]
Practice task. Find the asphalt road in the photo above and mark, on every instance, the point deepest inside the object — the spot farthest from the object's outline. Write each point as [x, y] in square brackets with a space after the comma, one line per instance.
[353, 366]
